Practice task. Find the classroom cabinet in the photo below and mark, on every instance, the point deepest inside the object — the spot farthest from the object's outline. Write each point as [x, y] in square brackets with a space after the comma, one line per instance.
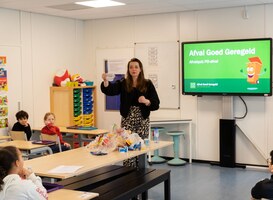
[73, 106]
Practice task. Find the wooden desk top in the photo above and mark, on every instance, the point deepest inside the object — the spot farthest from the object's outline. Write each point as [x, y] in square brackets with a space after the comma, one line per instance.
[77, 131]
[64, 194]
[5, 137]
[22, 145]
[82, 157]
[85, 132]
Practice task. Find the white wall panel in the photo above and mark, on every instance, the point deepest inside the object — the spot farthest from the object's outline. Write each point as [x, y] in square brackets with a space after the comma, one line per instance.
[268, 15]
[10, 27]
[114, 33]
[253, 130]
[56, 44]
[229, 23]
[27, 67]
[188, 26]
[156, 28]
[207, 127]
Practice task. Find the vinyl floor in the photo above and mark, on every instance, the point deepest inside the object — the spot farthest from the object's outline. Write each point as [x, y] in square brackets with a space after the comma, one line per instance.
[202, 181]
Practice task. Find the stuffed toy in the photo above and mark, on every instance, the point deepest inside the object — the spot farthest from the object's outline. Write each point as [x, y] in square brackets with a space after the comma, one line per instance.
[61, 77]
[78, 78]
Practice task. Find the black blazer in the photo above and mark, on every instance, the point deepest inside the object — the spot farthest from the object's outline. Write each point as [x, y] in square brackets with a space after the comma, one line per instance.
[126, 98]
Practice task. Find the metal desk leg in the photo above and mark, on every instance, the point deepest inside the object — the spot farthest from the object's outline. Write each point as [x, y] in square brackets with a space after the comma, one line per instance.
[142, 161]
[190, 138]
[80, 136]
[149, 154]
[167, 189]
[42, 149]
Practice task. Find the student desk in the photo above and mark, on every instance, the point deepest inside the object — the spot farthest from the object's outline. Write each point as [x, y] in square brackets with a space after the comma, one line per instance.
[27, 147]
[64, 194]
[118, 182]
[5, 137]
[81, 133]
[158, 121]
[82, 157]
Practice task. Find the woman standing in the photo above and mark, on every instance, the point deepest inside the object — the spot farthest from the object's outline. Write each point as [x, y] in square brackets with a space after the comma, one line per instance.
[138, 98]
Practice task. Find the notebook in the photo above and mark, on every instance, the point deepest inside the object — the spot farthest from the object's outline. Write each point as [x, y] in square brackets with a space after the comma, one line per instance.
[44, 142]
[82, 127]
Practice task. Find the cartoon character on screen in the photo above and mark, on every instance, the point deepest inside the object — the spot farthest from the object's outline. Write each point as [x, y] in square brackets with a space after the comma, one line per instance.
[253, 70]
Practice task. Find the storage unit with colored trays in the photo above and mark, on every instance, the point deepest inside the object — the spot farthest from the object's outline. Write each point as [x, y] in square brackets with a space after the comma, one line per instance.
[73, 106]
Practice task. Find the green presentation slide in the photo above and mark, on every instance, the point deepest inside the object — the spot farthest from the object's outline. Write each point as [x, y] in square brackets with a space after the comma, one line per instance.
[227, 67]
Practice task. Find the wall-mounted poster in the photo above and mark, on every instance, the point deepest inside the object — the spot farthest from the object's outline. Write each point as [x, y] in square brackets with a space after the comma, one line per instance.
[3, 93]
[118, 68]
[3, 60]
[113, 102]
[3, 100]
[3, 80]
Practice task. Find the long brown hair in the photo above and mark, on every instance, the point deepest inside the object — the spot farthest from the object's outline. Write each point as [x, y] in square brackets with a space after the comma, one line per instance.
[8, 156]
[141, 81]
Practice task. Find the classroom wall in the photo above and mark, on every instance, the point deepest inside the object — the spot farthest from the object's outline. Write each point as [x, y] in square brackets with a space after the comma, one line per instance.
[254, 140]
[43, 44]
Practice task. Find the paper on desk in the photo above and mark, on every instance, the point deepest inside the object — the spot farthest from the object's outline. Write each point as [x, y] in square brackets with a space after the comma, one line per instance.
[88, 195]
[64, 169]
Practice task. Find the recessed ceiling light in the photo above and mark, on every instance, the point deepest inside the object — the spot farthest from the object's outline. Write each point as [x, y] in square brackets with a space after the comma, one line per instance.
[100, 3]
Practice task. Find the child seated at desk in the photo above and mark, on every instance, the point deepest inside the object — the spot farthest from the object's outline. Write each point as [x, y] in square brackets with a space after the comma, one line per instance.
[22, 123]
[51, 129]
[16, 182]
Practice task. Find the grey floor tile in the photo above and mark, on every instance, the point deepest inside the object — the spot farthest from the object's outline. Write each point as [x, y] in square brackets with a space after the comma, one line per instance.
[208, 182]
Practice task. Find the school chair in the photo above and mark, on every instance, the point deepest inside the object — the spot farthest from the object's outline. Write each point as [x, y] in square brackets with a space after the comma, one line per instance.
[21, 135]
[176, 138]
[18, 135]
[54, 138]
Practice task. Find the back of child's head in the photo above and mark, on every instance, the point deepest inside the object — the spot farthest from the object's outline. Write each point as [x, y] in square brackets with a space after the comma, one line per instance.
[48, 114]
[21, 115]
[8, 156]
[271, 156]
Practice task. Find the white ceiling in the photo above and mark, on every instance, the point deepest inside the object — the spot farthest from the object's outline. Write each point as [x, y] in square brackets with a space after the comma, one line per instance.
[66, 8]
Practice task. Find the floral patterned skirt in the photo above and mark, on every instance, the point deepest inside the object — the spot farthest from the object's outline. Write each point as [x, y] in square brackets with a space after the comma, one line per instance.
[137, 124]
